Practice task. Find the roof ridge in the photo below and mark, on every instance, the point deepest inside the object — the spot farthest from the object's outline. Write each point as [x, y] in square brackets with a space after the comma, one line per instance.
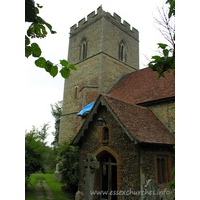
[118, 80]
[143, 86]
[107, 95]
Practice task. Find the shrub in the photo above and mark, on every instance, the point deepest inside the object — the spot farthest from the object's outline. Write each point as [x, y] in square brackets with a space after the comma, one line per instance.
[68, 158]
[34, 151]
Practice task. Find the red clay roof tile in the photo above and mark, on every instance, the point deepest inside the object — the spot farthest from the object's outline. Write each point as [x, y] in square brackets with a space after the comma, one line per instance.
[140, 122]
[144, 86]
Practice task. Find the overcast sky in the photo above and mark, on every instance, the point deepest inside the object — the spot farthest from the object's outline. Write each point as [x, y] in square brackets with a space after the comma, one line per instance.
[41, 89]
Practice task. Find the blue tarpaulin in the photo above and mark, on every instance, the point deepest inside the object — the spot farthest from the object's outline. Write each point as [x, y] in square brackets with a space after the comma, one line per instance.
[86, 109]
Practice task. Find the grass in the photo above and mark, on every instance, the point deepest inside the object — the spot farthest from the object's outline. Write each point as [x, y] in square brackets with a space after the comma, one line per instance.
[53, 184]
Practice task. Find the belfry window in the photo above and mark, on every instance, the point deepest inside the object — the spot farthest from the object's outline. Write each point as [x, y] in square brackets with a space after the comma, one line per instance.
[122, 51]
[83, 49]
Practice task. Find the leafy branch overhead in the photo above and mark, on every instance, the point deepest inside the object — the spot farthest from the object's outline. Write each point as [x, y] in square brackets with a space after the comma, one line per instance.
[166, 60]
[163, 63]
[37, 29]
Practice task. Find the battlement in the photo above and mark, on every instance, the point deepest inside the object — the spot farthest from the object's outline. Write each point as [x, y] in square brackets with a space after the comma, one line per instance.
[115, 19]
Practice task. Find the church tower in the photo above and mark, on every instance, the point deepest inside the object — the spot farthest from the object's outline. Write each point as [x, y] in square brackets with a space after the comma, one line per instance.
[103, 50]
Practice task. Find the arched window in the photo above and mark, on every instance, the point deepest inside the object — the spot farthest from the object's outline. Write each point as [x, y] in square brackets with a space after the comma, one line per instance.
[76, 92]
[105, 132]
[122, 51]
[162, 169]
[83, 49]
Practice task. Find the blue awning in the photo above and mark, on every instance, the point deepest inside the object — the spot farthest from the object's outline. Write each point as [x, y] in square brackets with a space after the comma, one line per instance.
[86, 109]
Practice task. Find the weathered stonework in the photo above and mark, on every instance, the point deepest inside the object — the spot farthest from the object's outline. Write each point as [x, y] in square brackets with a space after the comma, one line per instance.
[165, 113]
[102, 34]
[118, 145]
[136, 163]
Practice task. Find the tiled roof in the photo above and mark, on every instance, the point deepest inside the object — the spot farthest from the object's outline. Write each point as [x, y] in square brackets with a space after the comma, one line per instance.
[144, 86]
[140, 122]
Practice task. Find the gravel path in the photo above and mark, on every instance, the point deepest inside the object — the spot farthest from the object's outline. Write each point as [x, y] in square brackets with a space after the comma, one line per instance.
[42, 191]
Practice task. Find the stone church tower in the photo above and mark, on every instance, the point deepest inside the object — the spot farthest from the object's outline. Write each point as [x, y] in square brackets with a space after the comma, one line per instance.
[103, 50]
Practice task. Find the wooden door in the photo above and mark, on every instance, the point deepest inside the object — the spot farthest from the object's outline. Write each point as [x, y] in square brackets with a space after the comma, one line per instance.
[108, 177]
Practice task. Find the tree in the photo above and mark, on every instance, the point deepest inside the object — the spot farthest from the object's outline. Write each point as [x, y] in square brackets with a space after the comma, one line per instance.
[36, 151]
[42, 134]
[56, 111]
[68, 158]
[50, 159]
[34, 154]
[166, 60]
[37, 29]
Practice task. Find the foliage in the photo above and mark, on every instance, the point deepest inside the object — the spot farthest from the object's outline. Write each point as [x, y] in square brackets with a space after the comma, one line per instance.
[34, 154]
[172, 183]
[68, 159]
[50, 159]
[166, 61]
[37, 29]
[171, 8]
[36, 151]
[56, 111]
[160, 64]
[42, 134]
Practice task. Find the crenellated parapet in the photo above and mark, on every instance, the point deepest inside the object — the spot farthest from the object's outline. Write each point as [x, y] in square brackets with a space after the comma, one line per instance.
[115, 19]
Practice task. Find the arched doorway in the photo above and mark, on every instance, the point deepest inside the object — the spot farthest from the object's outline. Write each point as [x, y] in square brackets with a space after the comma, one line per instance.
[108, 176]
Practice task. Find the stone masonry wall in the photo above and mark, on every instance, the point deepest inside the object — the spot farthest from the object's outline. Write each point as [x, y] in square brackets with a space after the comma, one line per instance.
[103, 33]
[165, 113]
[119, 146]
[148, 163]
[113, 71]
[70, 122]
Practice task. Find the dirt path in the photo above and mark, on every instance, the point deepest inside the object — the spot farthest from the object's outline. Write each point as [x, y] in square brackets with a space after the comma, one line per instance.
[42, 190]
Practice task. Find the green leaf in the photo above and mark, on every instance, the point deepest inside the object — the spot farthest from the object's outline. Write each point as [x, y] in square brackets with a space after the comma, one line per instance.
[36, 10]
[41, 21]
[30, 30]
[40, 31]
[48, 66]
[36, 30]
[64, 63]
[38, 5]
[48, 25]
[27, 51]
[157, 58]
[54, 71]
[40, 62]
[168, 70]
[72, 66]
[27, 40]
[53, 32]
[160, 72]
[166, 52]
[172, 8]
[65, 72]
[161, 45]
[36, 51]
